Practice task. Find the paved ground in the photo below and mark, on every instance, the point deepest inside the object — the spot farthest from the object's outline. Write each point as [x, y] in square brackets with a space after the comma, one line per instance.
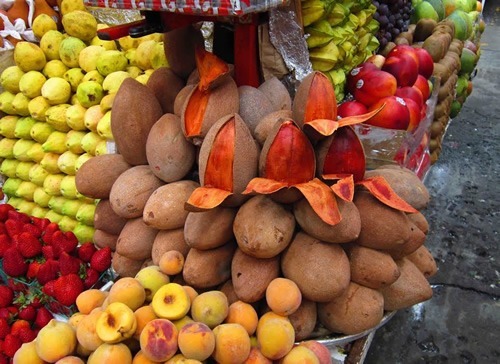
[461, 323]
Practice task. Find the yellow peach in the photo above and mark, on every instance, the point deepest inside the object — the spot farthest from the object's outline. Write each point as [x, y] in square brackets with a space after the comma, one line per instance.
[159, 340]
[196, 341]
[27, 354]
[55, 340]
[256, 357]
[70, 360]
[171, 302]
[210, 307]
[192, 293]
[90, 299]
[321, 351]
[179, 324]
[151, 279]
[283, 296]
[300, 354]
[111, 354]
[181, 359]
[75, 319]
[171, 262]
[275, 335]
[232, 343]
[86, 330]
[143, 315]
[116, 323]
[140, 358]
[129, 291]
[244, 314]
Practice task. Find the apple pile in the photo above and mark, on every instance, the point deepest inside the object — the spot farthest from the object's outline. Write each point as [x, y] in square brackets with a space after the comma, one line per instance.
[148, 318]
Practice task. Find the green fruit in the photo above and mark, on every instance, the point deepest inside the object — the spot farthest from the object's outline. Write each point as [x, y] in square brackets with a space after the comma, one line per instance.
[36, 153]
[55, 116]
[468, 61]
[49, 163]
[42, 24]
[80, 24]
[26, 190]
[456, 107]
[11, 185]
[39, 211]
[7, 147]
[55, 143]
[439, 7]
[157, 57]
[26, 207]
[52, 184]
[70, 208]
[53, 216]
[8, 167]
[82, 159]
[424, 10]
[93, 76]
[54, 68]
[105, 44]
[85, 214]
[20, 104]
[88, 57]
[56, 90]
[67, 223]
[68, 187]
[40, 131]
[9, 79]
[69, 51]
[111, 61]
[23, 127]
[31, 84]
[50, 44]
[28, 56]
[23, 170]
[101, 148]
[89, 93]
[38, 107]
[37, 174]
[83, 232]
[74, 141]
[6, 99]
[74, 76]
[8, 126]
[113, 81]
[21, 148]
[41, 197]
[66, 162]
[90, 141]
[56, 203]
[104, 126]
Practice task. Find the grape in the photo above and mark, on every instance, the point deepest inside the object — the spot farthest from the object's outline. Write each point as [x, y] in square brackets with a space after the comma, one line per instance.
[393, 16]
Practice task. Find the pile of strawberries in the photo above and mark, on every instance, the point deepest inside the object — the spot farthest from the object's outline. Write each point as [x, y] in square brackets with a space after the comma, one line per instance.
[42, 267]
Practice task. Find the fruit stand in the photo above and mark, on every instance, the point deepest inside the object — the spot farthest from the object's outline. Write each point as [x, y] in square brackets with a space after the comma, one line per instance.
[221, 205]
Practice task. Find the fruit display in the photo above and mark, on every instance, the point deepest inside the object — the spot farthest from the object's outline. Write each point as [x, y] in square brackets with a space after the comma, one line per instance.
[56, 108]
[393, 17]
[340, 35]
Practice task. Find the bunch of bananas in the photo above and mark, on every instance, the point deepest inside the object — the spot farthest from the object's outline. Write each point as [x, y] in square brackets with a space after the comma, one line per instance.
[55, 113]
[340, 34]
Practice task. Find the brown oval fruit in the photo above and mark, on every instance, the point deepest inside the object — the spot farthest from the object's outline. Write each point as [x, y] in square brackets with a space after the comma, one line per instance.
[200, 232]
[165, 85]
[136, 240]
[254, 105]
[167, 240]
[267, 123]
[106, 219]
[277, 93]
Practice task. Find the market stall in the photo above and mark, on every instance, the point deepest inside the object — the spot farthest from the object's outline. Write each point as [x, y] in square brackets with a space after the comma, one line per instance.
[220, 180]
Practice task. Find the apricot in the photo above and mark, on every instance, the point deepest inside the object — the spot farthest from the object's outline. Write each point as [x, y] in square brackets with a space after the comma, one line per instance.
[256, 357]
[232, 343]
[143, 315]
[283, 296]
[55, 340]
[158, 340]
[90, 299]
[171, 262]
[27, 354]
[244, 314]
[86, 330]
[151, 279]
[321, 351]
[210, 307]
[171, 302]
[75, 319]
[111, 354]
[181, 359]
[140, 358]
[70, 360]
[275, 335]
[196, 341]
[129, 291]
[300, 354]
[192, 293]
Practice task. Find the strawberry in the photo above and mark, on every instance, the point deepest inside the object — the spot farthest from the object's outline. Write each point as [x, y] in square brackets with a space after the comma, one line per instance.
[16, 215]
[91, 278]
[27, 313]
[13, 263]
[4, 328]
[5, 244]
[48, 288]
[85, 251]
[26, 334]
[101, 260]
[69, 264]
[14, 227]
[40, 223]
[6, 296]
[4, 209]
[67, 288]
[33, 268]
[9, 313]
[48, 252]
[3, 230]
[3, 358]
[64, 241]
[49, 230]
[43, 316]
[28, 245]
[47, 271]
[33, 230]
[11, 344]
[18, 325]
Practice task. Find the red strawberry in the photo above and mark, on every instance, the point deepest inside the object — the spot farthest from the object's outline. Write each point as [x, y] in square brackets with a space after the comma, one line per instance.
[64, 241]
[3, 230]
[67, 288]
[101, 260]
[40, 223]
[28, 245]
[27, 313]
[26, 335]
[48, 288]
[16, 286]
[16, 215]
[49, 231]
[47, 271]
[13, 263]
[4, 328]
[5, 244]
[6, 296]
[85, 251]
[11, 344]
[18, 325]
[8, 313]
[33, 268]
[14, 227]
[91, 278]
[33, 230]
[4, 209]
[69, 264]
[43, 316]
[3, 358]
[48, 252]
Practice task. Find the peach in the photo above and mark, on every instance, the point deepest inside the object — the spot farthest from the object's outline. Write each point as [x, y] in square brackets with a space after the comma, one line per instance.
[179, 358]
[210, 307]
[300, 354]
[351, 108]
[171, 302]
[151, 279]
[196, 341]
[394, 115]
[180, 323]
[256, 357]
[425, 62]
[75, 319]
[357, 73]
[191, 292]
[415, 114]
[413, 93]
[129, 291]
[321, 351]
[402, 66]
[55, 340]
[158, 340]
[116, 323]
[244, 314]
[423, 85]
[70, 360]
[377, 59]
[171, 262]
[111, 354]
[232, 343]
[143, 315]
[27, 354]
[283, 296]
[90, 299]
[86, 330]
[275, 335]
[374, 85]
[140, 358]
[82, 352]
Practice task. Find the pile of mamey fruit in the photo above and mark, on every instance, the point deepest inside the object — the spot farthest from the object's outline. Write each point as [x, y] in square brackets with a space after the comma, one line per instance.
[247, 188]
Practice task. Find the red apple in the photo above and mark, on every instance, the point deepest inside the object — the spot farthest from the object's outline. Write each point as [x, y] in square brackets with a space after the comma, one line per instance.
[415, 114]
[403, 67]
[411, 93]
[423, 85]
[395, 114]
[403, 49]
[356, 73]
[373, 86]
[425, 62]
[351, 108]
[377, 59]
